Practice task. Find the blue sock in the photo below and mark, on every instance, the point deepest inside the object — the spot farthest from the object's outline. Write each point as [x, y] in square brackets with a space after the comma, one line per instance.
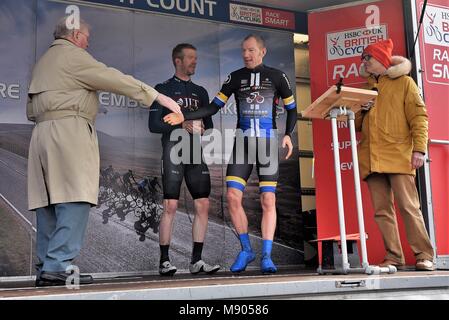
[266, 248]
[266, 264]
[244, 241]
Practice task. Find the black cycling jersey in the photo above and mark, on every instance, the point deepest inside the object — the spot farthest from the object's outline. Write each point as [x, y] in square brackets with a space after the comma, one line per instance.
[190, 97]
[256, 92]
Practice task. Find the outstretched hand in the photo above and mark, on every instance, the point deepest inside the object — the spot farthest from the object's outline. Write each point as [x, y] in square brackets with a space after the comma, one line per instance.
[287, 142]
[169, 103]
[174, 118]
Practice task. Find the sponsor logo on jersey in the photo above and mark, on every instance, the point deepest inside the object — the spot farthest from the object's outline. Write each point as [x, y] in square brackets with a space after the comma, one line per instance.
[190, 104]
[228, 79]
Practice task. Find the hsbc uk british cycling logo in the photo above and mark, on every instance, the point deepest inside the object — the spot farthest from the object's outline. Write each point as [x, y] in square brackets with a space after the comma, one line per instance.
[351, 43]
[436, 26]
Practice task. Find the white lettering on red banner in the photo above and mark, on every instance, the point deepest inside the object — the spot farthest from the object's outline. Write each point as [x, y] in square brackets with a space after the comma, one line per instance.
[278, 19]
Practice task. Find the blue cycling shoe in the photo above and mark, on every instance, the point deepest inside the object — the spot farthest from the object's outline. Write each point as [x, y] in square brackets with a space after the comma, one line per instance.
[243, 259]
[267, 265]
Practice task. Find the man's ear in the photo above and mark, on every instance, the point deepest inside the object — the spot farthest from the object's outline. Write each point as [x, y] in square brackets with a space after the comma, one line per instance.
[264, 52]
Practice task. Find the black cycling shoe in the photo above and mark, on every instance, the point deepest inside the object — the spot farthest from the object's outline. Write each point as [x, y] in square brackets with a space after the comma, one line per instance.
[48, 279]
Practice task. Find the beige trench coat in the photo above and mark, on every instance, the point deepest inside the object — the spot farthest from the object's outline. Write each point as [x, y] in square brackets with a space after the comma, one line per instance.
[64, 162]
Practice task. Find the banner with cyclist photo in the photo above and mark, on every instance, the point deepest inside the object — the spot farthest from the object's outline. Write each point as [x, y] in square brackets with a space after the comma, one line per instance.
[123, 234]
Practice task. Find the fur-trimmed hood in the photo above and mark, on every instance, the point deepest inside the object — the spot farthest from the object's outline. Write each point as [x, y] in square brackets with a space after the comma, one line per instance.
[399, 66]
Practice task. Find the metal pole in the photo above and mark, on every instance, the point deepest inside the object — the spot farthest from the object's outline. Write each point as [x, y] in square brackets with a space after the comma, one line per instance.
[434, 141]
[358, 193]
[431, 215]
[341, 215]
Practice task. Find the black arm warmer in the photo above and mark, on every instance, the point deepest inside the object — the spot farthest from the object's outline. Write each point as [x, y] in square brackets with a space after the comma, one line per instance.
[291, 121]
[155, 122]
[201, 113]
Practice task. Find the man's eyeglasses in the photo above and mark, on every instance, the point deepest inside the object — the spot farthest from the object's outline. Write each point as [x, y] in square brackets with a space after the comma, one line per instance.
[366, 58]
[79, 31]
[87, 37]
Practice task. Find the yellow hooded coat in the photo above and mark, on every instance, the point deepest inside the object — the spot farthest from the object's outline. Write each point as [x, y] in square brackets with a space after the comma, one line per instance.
[395, 126]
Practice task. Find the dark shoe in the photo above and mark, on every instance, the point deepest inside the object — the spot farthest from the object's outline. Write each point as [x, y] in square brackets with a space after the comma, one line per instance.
[167, 269]
[48, 279]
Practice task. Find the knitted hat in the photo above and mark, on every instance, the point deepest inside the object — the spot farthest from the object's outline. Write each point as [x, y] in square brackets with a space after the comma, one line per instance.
[381, 51]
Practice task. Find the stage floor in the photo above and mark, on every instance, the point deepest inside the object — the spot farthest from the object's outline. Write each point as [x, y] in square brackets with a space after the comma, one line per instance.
[288, 283]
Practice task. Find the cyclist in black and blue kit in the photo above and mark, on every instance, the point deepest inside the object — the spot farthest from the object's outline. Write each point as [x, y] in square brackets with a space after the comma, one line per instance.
[190, 97]
[256, 89]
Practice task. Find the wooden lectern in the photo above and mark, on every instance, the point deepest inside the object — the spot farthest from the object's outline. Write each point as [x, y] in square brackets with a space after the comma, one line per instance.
[344, 102]
[350, 98]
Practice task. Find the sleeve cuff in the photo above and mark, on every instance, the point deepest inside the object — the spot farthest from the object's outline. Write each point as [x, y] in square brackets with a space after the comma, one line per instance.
[151, 94]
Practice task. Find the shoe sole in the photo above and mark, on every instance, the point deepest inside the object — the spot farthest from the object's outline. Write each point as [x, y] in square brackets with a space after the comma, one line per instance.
[43, 283]
[238, 271]
[425, 269]
[212, 271]
[168, 273]
[206, 272]
[269, 271]
[399, 268]
[56, 283]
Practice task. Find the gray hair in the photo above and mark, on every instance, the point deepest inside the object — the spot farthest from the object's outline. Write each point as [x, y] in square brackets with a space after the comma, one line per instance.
[61, 30]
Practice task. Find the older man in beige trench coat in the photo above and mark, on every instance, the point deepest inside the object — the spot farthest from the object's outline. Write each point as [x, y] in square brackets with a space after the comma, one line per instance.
[63, 163]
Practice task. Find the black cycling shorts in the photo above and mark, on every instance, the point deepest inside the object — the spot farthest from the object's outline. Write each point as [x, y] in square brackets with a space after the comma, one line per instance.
[247, 151]
[197, 176]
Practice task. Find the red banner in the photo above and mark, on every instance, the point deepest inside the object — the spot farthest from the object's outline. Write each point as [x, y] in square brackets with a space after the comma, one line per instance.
[337, 39]
[434, 46]
[278, 19]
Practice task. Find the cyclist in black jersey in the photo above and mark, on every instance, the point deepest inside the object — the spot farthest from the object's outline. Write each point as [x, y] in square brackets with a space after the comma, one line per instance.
[256, 89]
[190, 97]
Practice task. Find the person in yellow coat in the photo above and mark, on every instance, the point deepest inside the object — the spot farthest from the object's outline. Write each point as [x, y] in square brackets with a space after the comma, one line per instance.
[64, 162]
[392, 147]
